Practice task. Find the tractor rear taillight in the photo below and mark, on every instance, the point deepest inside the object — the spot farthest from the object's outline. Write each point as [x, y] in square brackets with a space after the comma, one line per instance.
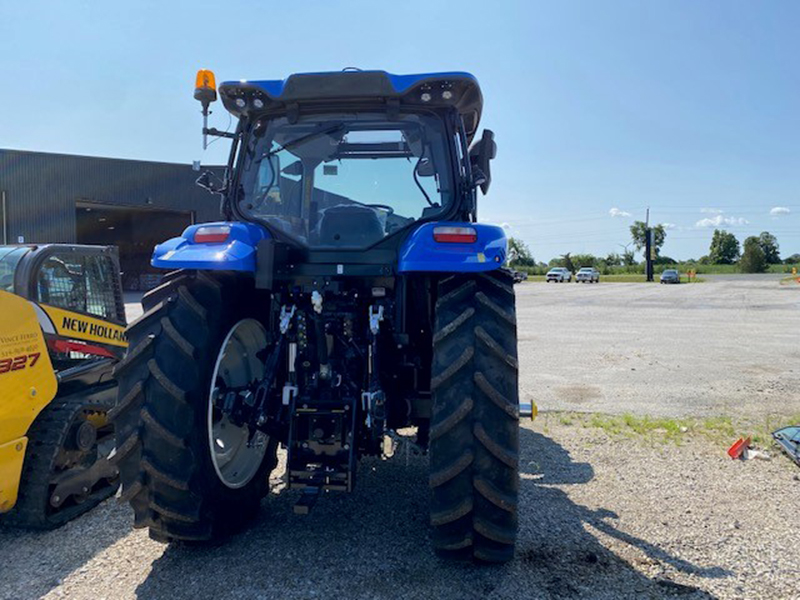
[455, 235]
[212, 234]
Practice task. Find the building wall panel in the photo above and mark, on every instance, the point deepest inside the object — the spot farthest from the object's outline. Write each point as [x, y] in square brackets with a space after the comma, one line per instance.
[42, 190]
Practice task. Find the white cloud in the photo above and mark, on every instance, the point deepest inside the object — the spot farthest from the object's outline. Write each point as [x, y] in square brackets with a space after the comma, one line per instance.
[616, 212]
[711, 211]
[779, 211]
[720, 220]
[668, 225]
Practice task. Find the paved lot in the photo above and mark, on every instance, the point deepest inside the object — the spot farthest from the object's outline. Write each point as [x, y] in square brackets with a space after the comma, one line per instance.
[728, 346]
[133, 308]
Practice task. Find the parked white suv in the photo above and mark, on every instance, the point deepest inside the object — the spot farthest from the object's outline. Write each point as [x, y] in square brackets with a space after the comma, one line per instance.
[589, 274]
[559, 274]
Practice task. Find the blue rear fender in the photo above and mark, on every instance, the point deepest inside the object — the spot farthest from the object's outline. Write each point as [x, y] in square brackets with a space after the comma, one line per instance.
[421, 252]
[236, 253]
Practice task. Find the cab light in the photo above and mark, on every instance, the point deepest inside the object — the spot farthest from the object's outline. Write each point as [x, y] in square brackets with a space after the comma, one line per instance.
[212, 234]
[205, 87]
[455, 235]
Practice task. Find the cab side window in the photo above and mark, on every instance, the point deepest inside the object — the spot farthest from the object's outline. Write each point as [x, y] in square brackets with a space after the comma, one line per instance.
[79, 283]
[100, 287]
[61, 282]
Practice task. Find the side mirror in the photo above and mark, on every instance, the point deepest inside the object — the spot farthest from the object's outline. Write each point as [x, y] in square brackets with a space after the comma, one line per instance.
[480, 155]
[206, 182]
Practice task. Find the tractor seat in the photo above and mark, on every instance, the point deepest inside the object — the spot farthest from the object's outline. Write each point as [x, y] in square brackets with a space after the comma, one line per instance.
[349, 225]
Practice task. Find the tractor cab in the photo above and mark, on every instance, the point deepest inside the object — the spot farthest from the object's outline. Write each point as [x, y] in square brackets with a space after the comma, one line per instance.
[352, 160]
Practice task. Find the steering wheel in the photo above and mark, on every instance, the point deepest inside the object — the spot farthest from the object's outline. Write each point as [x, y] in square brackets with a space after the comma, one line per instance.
[388, 209]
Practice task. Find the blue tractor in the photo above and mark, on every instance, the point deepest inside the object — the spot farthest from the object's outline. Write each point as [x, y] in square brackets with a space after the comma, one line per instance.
[348, 297]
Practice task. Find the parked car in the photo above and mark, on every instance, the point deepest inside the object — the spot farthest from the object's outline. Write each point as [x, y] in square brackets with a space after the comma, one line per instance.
[559, 274]
[670, 276]
[589, 274]
[519, 276]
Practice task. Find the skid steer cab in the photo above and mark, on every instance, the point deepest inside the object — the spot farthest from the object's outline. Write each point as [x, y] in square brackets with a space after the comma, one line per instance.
[62, 331]
[348, 296]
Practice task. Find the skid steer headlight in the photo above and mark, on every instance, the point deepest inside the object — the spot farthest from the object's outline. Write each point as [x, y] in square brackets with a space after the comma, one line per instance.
[212, 234]
[455, 235]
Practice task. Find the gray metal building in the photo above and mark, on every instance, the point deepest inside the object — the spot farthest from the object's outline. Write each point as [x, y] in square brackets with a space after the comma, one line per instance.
[89, 200]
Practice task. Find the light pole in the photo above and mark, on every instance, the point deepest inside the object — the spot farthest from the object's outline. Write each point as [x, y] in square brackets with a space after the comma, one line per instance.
[648, 245]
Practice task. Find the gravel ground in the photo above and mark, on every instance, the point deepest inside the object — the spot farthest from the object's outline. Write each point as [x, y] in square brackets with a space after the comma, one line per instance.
[730, 346]
[599, 517]
[635, 518]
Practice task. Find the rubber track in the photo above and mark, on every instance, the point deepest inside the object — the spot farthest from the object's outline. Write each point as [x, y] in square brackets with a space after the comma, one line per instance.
[46, 437]
[474, 430]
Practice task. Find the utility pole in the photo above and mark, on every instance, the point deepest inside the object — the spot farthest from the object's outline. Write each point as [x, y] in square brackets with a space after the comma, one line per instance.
[648, 245]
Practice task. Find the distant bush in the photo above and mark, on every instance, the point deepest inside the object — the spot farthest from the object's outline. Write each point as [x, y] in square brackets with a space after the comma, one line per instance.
[754, 259]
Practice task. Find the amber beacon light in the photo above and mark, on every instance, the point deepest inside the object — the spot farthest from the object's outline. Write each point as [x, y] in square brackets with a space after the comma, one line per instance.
[205, 91]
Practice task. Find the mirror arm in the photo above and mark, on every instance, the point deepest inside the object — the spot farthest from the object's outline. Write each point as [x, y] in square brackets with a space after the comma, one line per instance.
[217, 133]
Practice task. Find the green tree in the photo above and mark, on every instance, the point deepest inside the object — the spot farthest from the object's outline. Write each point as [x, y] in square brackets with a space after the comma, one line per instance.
[769, 244]
[628, 259]
[639, 236]
[613, 259]
[793, 259]
[519, 254]
[565, 261]
[665, 260]
[724, 248]
[753, 258]
[584, 260]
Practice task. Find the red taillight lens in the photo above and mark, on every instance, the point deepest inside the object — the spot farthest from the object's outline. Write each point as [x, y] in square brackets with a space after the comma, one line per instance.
[213, 234]
[455, 235]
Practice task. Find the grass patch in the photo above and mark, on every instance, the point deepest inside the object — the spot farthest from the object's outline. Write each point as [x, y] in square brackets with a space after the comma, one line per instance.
[722, 430]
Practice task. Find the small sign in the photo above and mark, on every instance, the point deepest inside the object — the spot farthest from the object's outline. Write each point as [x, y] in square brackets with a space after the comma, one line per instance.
[330, 170]
[20, 239]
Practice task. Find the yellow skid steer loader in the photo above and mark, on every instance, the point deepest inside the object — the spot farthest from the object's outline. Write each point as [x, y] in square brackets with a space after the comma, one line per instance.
[62, 331]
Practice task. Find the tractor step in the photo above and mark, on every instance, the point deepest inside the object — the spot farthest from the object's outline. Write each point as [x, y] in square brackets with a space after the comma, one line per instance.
[307, 501]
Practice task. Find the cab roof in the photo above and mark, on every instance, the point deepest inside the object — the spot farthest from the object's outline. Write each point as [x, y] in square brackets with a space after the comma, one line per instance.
[437, 90]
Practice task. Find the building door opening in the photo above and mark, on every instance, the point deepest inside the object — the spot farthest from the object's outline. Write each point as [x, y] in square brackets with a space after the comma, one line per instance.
[135, 231]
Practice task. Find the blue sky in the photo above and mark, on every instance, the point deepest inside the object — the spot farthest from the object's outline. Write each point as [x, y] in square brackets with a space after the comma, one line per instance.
[689, 107]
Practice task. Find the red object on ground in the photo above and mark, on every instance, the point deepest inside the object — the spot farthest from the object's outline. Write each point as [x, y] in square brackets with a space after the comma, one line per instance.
[738, 447]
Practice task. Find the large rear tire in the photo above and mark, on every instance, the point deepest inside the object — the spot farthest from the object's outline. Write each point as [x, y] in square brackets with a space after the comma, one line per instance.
[474, 437]
[164, 427]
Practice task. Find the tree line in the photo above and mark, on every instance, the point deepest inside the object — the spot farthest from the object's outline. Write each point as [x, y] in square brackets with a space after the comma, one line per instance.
[753, 256]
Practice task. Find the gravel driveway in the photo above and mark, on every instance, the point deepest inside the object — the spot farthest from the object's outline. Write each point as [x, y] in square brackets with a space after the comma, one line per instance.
[599, 517]
[629, 519]
[729, 346]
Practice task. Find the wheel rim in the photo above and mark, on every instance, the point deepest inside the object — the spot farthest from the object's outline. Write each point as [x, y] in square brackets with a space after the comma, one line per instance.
[235, 460]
